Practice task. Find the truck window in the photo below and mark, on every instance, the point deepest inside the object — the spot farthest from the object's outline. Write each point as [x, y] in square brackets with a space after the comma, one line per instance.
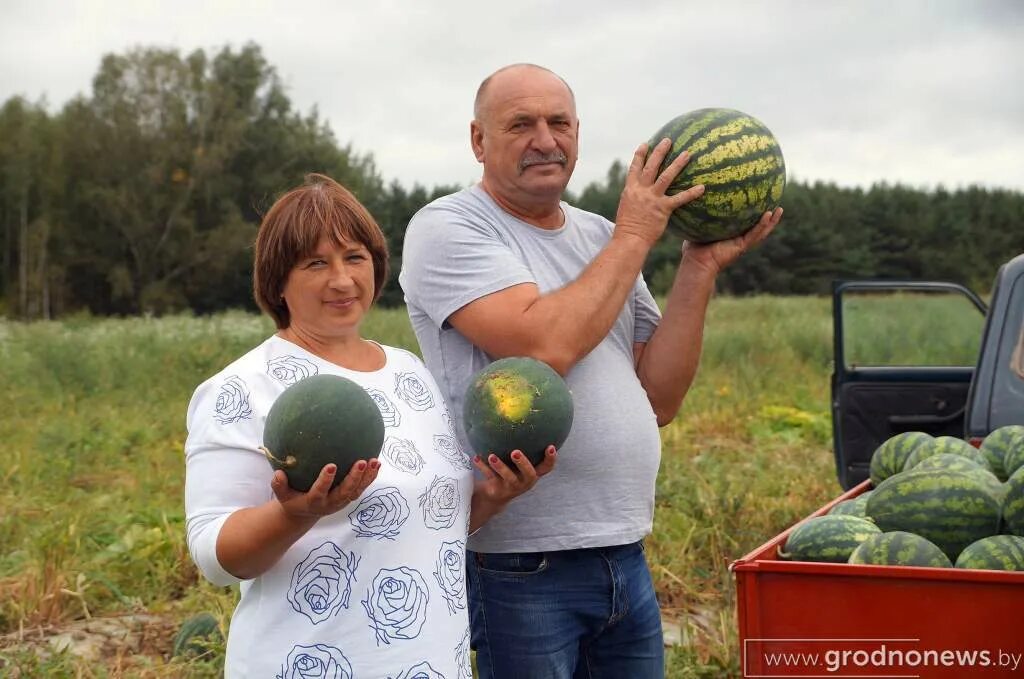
[1009, 382]
[910, 328]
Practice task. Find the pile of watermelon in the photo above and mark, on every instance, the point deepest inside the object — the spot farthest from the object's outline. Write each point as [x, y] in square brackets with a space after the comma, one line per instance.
[935, 502]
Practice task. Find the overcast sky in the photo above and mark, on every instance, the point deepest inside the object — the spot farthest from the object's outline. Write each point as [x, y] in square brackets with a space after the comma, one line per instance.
[920, 92]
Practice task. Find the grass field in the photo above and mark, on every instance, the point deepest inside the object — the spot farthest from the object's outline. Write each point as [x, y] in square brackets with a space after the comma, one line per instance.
[91, 519]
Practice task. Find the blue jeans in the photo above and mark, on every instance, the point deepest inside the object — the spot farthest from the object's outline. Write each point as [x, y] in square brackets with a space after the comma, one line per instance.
[574, 614]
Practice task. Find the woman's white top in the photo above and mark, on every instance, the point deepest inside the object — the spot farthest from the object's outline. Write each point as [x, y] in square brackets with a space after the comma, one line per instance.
[376, 590]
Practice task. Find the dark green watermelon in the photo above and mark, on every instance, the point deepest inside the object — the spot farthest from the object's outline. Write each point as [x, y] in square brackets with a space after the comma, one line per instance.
[738, 161]
[319, 420]
[517, 403]
[196, 635]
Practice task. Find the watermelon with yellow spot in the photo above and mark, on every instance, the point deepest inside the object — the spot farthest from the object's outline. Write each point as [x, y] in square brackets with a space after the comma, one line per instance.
[740, 164]
[517, 403]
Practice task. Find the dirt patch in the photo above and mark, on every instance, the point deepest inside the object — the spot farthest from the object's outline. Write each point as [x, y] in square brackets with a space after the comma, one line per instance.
[100, 640]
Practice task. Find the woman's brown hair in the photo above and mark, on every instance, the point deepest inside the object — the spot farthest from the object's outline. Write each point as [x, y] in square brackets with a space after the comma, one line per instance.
[294, 226]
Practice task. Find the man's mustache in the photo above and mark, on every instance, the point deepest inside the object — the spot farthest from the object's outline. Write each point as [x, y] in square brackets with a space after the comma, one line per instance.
[542, 158]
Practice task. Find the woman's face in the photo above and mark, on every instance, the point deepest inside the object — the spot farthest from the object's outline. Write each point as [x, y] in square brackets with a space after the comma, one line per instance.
[329, 291]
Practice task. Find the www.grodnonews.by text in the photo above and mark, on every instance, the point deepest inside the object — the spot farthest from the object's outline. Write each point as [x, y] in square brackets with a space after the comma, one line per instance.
[881, 659]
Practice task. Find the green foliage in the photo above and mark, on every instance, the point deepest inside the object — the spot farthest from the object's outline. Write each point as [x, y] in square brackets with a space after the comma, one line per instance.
[90, 508]
[830, 232]
[144, 196]
[91, 516]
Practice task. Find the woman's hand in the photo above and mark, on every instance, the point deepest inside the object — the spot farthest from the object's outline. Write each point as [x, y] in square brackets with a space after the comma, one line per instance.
[321, 499]
[501, 484]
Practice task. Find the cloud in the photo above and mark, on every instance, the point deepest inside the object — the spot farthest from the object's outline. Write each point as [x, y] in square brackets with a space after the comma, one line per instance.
[919, 92]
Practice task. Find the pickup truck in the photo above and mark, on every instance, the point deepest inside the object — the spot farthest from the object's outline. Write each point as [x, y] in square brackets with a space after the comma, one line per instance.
[973, 385]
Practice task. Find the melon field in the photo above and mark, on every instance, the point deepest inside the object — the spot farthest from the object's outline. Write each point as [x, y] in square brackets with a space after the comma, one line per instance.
[95, 577]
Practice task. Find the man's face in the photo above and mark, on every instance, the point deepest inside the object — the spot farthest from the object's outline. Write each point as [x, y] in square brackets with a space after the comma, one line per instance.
[527, 133]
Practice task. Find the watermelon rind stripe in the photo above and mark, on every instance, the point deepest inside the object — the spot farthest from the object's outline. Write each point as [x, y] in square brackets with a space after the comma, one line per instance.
[1001, 444]
[952, 509]
[829, 538]
[1013, 504]
[996, 552]
[890, 457]
[900, 548]
[740, 164]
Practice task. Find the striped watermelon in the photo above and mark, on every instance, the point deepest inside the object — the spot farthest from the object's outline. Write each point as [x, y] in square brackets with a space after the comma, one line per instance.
[889, 458]
[946, 444]
[853, 507]
[1013, 458]
[1013, 504]
[958, 463]
[952, 509]
[899, 548]
[950, 462]
[832, 537]
[738, 161]
[994, 553]
[998, 444]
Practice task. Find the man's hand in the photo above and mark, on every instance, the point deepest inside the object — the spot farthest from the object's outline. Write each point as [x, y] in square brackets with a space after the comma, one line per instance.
[713, 257]
[644, 208]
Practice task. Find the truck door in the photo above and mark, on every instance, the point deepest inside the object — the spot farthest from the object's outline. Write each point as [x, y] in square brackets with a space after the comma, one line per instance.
[997, 390]
[904, 353]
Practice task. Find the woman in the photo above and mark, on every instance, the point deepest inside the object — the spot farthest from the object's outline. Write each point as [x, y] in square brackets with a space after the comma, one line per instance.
[367, 579]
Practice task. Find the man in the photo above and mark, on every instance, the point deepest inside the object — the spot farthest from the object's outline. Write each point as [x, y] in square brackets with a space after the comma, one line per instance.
[558, 583]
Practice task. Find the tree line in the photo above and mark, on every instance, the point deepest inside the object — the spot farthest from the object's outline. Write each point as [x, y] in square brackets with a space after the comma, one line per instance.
[144, 197]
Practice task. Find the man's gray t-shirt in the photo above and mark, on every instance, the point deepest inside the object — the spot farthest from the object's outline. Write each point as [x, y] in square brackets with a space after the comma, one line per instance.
[462, 247]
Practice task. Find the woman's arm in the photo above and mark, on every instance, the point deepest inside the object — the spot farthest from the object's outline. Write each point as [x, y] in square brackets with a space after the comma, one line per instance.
[253, 539]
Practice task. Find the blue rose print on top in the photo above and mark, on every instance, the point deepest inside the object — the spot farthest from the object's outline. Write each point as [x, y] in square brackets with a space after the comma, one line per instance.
[451, 574]
[403, 455]
[380, 514]
[290, 369]
[462, 656]
[440, 503]
[322, 582]
[421, 670]
[232, 401]
[397, 604]
[388, 412]
[448, 448]
[447, 417]
[316, 662]
[411, 389]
